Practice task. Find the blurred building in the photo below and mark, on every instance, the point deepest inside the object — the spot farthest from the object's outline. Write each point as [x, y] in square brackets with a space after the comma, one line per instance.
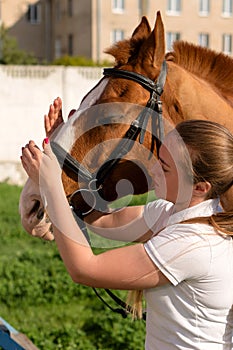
[53, 28]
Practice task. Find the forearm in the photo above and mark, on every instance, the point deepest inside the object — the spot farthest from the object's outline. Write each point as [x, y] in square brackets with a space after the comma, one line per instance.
[75, 255]
[74, 248]
[126, 225]
[60, 214]
[127, 232]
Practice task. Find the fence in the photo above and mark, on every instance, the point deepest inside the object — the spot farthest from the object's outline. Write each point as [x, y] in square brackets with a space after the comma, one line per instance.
[25, 95]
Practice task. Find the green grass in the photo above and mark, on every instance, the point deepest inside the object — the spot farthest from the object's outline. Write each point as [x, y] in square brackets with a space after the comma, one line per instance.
[38, 298]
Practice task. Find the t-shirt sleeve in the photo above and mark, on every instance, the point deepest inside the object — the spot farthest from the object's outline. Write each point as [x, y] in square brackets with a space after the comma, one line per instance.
[180, 252]
[156, 214]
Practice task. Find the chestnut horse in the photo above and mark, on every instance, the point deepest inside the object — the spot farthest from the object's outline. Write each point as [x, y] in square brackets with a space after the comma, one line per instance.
[198, 84]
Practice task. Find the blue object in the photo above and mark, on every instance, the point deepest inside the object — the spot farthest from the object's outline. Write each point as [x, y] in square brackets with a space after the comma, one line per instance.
[6, 342]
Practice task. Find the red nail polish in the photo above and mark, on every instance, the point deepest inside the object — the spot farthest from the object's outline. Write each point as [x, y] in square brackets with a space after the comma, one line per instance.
[46, 140]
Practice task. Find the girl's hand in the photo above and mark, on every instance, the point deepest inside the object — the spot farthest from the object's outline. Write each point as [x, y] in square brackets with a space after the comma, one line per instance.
[54, 117]
[42, 167]
[31, 159]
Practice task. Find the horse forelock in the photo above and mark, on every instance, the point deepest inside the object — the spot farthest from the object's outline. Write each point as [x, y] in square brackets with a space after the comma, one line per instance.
[126, 51]
[216, 68]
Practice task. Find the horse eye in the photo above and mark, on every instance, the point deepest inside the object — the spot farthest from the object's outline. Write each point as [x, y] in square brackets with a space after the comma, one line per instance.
[123, 92]
[110, 119]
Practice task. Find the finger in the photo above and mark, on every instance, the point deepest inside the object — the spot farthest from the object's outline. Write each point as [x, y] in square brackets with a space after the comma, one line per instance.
[34, 149]
[47, 148]
[51, 113]
[32, 145]
[30, 167]
[26, 146]
[59, 102]
[50, 117]
[47, 123]
[31, 152]
[26, 153]
[24, 163]
[57, 105]
[27, 160]
[58, 110]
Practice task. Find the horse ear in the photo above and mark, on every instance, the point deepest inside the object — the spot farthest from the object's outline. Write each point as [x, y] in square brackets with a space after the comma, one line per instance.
[122, 50]
[154, 47]
[143, 29]
[159, 40]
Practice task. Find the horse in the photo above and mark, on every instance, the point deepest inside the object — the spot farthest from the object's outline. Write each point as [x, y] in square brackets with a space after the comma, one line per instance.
[196, 83]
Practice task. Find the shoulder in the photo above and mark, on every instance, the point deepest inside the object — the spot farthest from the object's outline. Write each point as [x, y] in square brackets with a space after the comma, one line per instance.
[156, 213]
[181, 239]
[180, 251]
[159, 204]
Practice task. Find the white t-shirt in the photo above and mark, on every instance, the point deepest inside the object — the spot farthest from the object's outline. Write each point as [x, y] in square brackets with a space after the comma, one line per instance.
[195, 310]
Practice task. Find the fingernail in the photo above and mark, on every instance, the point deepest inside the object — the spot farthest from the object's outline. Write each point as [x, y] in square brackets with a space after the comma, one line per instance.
[46, 140]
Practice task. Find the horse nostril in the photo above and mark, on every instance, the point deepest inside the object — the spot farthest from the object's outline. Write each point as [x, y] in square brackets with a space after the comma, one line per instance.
[35, 207]
[40, 214]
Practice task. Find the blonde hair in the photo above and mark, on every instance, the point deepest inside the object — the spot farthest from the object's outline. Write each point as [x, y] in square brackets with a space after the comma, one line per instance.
[210, 147]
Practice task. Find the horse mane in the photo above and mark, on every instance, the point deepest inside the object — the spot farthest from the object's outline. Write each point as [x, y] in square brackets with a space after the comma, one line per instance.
[215, 68]
[208, 65]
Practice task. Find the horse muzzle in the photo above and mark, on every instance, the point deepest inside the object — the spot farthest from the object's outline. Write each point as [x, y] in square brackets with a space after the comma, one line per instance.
[33, 216]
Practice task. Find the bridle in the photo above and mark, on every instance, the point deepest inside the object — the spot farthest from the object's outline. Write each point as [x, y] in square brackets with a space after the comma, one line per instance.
[152, 109]
[95, 181]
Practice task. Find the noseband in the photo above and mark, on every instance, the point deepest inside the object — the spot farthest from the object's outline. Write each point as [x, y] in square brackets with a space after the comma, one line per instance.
[153, 110]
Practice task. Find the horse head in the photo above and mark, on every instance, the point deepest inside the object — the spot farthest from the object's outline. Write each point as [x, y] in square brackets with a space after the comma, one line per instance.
[197, 84]
[112, 106]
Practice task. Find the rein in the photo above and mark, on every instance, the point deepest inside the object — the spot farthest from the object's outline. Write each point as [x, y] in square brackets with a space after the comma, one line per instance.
[137, 128]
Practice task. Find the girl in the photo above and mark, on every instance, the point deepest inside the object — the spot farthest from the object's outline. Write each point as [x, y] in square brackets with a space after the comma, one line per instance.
[185, 268]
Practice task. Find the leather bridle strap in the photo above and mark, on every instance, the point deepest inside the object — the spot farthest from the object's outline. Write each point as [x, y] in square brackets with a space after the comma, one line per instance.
[139, 125]
[154, 103]
[124, 309]
[65, 159]
[145, 82]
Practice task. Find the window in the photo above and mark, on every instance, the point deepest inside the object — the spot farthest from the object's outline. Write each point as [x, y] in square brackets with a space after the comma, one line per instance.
[70, 8]
[227, 8]
[171, 38]
[118, 6]
[203, 39]
[117, 35]
[34, 13]
[173, 7]
[57, 48]
[204, 7]
[70, 44]
[227, 44]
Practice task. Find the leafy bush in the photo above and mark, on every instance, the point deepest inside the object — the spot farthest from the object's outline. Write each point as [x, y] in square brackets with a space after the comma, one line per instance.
[38, 298]
[78, 61]
[11, 54]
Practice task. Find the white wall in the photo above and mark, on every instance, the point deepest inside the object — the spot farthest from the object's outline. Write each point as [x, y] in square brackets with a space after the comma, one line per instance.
[25, 95]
